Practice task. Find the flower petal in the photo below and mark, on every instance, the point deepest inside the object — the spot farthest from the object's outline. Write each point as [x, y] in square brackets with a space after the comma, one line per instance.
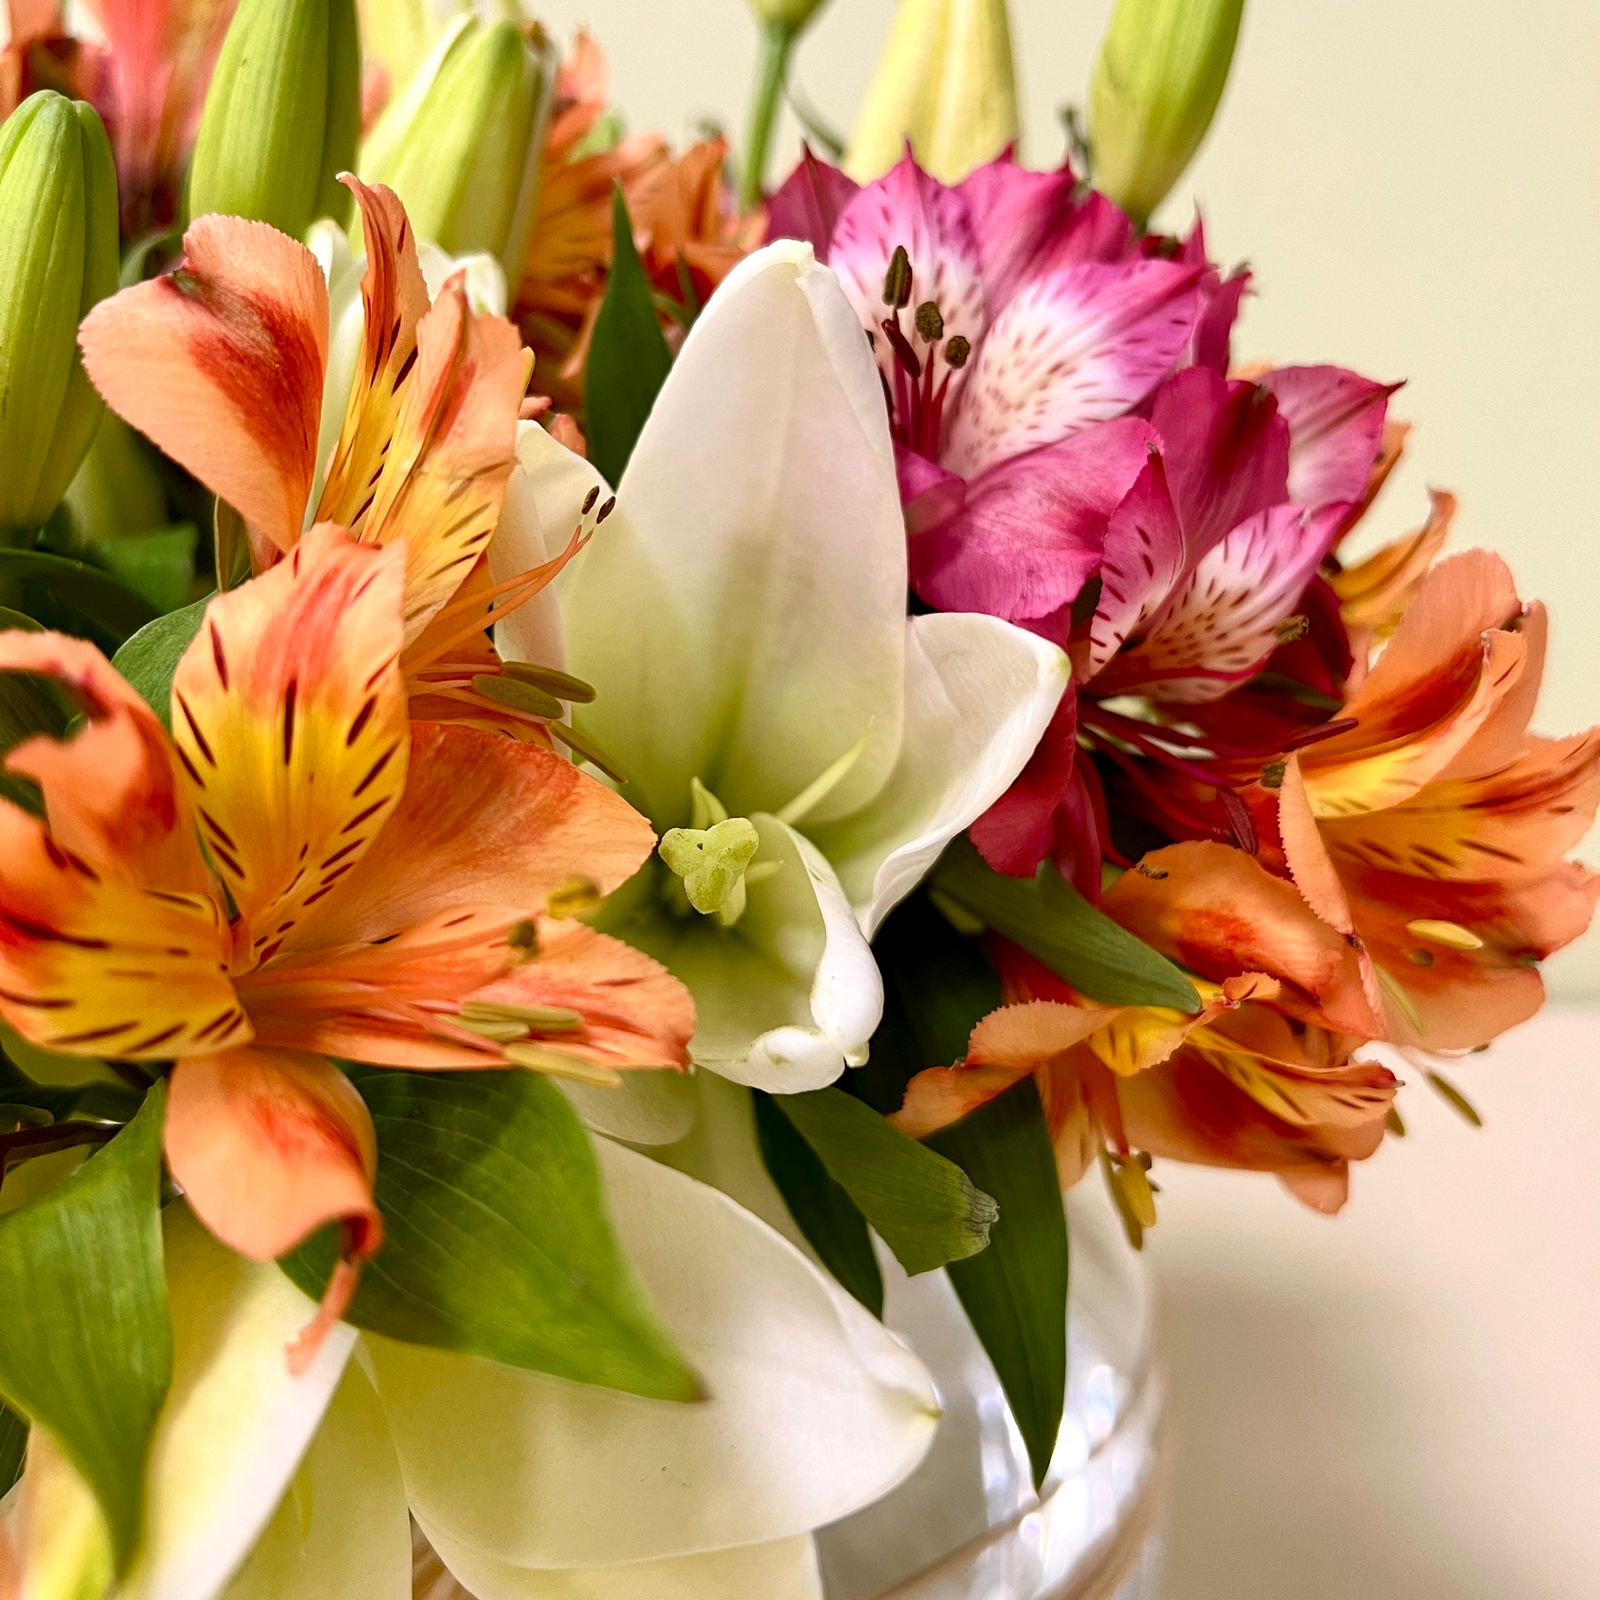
[742, 609]
[1029, 533]
[783, 1570]
[236, 1422]
[1082, 345]
[808, 203]
[1335, 422]
[431, 430]
[343, 1527]
[979, 695]
[799, 1363]
[289, 716]
[220, 361]
[269, 1146]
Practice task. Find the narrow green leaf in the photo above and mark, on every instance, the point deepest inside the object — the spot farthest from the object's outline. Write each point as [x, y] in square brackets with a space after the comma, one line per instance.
[29, 705]
[923, 1207]
[106, 603]
[13, 1447]
[497, 1242]
[628, 355]
[149, 659]
[1055, 924]
[823, 1212]
[159, 564]
[1015, 1292]
[87, 1352]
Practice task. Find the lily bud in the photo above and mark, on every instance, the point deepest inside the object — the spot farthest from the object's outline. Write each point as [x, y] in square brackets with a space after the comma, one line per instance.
[461, 145]
[1155, 89]
[58, 256]
[282, 115]
[947, 83]
[791, 15]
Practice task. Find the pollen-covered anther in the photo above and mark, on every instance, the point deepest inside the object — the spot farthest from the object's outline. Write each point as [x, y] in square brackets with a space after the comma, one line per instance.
[558, 1064]
[574, 897]
[531, 1019]
[1292, 628]
[957, 351]
[1449, 934]
[929, 322]
[897, 280]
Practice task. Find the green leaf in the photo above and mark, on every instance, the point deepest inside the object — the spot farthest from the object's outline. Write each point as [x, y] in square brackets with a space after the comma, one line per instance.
[87, 1352]
[937, 986]
[628, 355]
[158, 565]
[13, 1446]
[497, 1242]
[110, 608]
[1056, 925]
[149, 659]
[923, 1207]
[823, 1212]
[1015, 1293]
[85, 1094]
[29, 704]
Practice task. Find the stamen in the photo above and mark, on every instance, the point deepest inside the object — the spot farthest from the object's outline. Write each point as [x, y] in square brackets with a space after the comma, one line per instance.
[897, 280]
[573, 897]
[563, 685]
[929, 323]
[1450, 934]
[957, 351]
[541, 1019]
[589, 500]
[558, 1064]
[518, 694]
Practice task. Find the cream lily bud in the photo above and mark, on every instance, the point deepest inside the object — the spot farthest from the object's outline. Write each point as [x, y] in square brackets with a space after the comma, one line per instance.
[947, 83]
[792, 15]
[461, 144]
[58, 256]
[282, 115]
[1155, 89]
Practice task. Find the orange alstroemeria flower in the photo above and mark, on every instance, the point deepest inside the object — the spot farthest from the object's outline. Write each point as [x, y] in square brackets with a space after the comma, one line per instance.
[221, 362]
[1263, 1076]
[368, 888]
[1434, 828]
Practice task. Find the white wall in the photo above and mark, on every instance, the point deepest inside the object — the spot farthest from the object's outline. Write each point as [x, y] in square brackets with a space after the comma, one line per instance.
[1417, 185]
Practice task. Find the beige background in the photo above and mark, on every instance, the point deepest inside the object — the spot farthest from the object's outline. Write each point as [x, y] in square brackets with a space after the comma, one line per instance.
[1417, 184]
[1404, 1404]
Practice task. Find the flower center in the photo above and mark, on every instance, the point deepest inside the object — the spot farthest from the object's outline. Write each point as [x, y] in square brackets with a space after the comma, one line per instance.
[917, 395]
[710, 860]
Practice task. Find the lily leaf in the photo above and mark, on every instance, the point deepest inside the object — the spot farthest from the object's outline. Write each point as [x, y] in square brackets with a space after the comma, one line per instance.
[29, 705]
[158, 564]
[109, 608]
[497, 1242]
[149, 659]
[628, 355]
[823, 1212]
[937, 987]
[87, 1353]
[1056, 925]
[924, 1207]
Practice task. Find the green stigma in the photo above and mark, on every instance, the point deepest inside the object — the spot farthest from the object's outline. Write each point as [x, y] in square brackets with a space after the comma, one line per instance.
[711, 862]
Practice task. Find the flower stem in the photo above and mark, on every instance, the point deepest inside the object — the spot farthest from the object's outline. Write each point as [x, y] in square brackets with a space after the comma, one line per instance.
[777, 40]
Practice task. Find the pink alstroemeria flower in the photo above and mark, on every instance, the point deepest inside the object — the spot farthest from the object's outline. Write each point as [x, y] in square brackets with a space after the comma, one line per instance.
[1073, 456]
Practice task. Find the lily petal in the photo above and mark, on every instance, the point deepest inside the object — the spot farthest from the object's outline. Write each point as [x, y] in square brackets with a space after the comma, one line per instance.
[800, 1363]
[343, 1527]
[979, 695]
[783, 1570]
[236, 1422]
[220, 362]
[764, 599]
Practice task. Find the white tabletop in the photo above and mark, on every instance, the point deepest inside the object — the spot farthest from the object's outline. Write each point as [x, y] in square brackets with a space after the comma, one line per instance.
[1403, 1401]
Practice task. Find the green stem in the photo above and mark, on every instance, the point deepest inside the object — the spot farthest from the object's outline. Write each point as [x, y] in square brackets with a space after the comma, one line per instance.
[777, 40]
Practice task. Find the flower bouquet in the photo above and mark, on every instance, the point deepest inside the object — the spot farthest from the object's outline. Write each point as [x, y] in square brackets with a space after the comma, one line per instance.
[619, 767]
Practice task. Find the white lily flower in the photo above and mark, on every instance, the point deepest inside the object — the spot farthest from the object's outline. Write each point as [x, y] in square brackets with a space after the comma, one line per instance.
[743, 615]
[267, 1487]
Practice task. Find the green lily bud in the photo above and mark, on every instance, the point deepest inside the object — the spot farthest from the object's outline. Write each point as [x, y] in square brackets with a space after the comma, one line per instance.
[282, 115]
[58, 256]
[1155, 89]
[462, 143]
[790, 14]
[947, 82]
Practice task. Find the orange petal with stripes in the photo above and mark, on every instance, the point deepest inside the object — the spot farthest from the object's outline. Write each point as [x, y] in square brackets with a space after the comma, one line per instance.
[289, 716]
[221, 362]
[269, 1146]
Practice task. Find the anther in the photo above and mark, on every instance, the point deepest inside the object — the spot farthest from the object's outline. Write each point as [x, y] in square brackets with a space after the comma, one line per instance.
[897, 280]
[929, 322]
[590, 498]
[605, 510]
[957, 351]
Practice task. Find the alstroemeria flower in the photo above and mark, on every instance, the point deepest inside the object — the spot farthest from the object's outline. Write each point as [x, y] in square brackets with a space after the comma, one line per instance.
[369, 889]
[1433, 827]
[1263, 1076]
[526, 1485]
[806, 748]
[222, 362]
